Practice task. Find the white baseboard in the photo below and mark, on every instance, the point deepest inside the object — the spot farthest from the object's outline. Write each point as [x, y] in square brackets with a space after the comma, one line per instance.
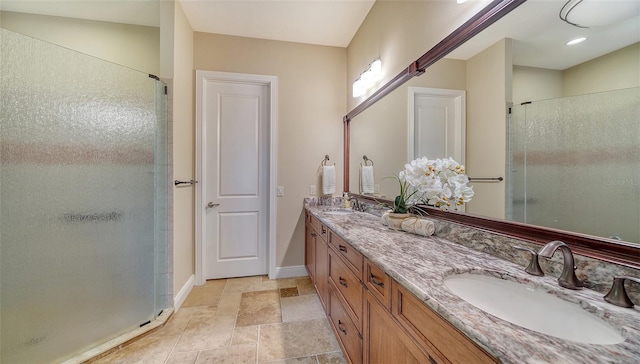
[288, 272]
[179, 298]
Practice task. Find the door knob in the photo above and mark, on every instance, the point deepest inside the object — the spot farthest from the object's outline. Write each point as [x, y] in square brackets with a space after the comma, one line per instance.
[211, 204]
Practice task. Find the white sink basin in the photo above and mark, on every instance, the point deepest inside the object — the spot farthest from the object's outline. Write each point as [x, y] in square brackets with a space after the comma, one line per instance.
[339, 212]
[532, 308]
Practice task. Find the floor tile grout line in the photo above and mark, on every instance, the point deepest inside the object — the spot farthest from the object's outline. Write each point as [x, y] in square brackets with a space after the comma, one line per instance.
[190, 318]
[181, 332]
[173, 347]
[258, 345]
[227, 291]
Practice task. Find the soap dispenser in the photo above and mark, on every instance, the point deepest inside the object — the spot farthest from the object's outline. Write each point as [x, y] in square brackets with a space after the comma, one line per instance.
[346, 204]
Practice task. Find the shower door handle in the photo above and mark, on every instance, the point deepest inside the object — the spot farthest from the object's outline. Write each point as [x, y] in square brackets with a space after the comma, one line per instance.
[212, 205]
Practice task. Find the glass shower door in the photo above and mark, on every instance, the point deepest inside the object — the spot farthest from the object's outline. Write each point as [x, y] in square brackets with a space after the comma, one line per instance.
[575, 163]
[77, 195]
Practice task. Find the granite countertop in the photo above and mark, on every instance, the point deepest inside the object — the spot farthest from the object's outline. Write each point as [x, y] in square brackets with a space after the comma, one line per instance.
[421, 264]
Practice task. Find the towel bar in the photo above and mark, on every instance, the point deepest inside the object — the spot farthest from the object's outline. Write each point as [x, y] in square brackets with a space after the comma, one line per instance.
[190, 182]
[486, 179]
[366, 159]
[325, 160]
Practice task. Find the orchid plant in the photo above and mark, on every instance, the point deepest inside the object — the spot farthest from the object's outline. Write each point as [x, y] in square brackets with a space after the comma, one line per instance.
[441, 183]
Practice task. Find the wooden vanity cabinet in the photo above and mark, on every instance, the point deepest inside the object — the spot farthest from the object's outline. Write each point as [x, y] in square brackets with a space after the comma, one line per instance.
[345, 296]
[374, 318]
[317, 256]
[345, 330]
[346, 286]
[433, 332]
[322, 268]
[351, 257]
[378, 283]
[385, 342]
[310, 246]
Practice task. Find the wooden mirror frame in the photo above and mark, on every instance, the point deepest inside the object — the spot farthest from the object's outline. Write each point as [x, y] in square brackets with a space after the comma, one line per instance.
[605, 249]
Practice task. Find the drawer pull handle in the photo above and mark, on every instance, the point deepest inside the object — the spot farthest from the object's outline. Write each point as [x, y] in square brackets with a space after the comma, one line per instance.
[375, 281]
[342, 248]
[314, 235]
[324, 231]
[432, 360]
[341, 328]
[342, 282]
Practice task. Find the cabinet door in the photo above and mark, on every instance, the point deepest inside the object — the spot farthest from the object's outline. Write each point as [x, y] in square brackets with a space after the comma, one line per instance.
[322, 271]
[346, 332]
[385, 342]
[310, 250]
[428, 328]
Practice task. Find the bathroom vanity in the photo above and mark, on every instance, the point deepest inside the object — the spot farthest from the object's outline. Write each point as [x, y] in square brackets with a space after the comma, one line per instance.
[385, 295]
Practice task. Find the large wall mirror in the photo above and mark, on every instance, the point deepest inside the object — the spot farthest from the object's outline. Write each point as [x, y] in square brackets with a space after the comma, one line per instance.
[554, 129]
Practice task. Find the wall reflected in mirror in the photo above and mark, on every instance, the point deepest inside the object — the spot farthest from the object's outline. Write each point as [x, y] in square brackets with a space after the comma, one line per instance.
[576, 170]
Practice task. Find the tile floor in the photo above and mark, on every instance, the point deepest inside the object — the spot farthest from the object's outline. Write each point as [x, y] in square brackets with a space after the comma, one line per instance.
[242, 320]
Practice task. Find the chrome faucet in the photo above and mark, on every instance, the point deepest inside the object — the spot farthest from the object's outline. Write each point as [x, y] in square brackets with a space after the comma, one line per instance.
[357, 205]
[534, 267]
[617, 294]
[568, 277]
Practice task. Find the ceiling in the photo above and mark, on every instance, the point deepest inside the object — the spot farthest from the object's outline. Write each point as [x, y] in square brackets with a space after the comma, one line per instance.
[323, 22]
[327, 22]
[139, 12]
[538, 33]
[540, 36]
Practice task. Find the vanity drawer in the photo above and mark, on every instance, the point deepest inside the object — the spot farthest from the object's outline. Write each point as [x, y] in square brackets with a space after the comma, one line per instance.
[347, 286]
[322, 230]
[307, 216]
[351, 256]
[378, 283]
[345, 330]
[428, 328]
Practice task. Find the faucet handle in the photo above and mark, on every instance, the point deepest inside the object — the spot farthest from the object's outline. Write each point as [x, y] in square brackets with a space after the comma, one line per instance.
[534, 265]
[617, 294]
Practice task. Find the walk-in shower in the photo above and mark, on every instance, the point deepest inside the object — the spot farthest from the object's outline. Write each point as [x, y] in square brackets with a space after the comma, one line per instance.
[574, 164]
[83, 200]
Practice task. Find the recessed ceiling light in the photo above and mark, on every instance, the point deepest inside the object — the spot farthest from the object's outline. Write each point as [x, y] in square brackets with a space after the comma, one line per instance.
[461, 1]
[576, 41]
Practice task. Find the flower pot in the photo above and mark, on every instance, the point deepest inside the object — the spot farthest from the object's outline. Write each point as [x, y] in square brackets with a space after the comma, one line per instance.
[394, 220]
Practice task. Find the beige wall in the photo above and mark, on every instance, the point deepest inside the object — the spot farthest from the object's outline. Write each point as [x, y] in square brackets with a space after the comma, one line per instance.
[613, 71]
[533, 84]
[133, 46]
[183, 150]
[488, 91]
[311, 103]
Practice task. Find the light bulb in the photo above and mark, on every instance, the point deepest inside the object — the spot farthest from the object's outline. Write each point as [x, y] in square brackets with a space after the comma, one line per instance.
[576, 41]
[358, 88]
[376, 69]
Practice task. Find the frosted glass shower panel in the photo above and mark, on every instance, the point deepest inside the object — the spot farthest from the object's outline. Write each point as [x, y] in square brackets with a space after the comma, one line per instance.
[579, 163]
[77, 144]
[161, 210]
[516, 163]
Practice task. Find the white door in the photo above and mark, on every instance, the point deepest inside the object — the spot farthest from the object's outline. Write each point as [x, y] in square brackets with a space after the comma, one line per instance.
[235, 198]
[436, 123]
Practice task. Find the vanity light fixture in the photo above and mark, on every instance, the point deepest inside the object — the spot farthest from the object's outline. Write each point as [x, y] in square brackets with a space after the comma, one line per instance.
[594, 13]
[368, 78]
[576, 41]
